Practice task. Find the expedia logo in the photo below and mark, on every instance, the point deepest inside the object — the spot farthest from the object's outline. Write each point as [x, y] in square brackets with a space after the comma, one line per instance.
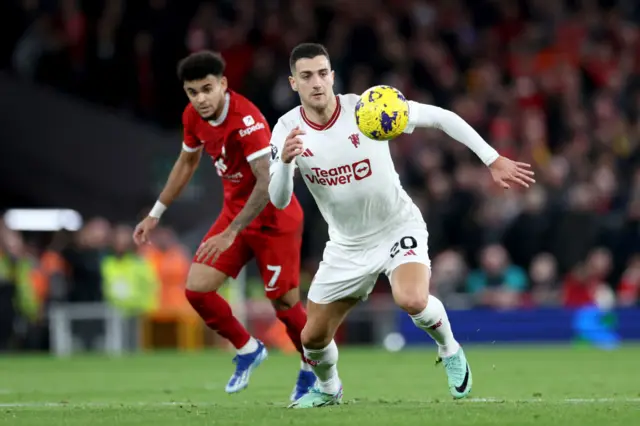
[249, 130]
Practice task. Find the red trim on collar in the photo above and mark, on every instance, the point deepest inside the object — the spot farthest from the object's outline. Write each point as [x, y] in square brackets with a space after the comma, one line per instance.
[331, 122]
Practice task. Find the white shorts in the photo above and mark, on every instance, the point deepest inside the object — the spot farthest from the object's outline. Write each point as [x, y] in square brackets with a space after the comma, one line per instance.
[351, 272]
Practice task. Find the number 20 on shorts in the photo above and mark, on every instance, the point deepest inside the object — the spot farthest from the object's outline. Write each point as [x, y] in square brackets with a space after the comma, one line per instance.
[405, 243]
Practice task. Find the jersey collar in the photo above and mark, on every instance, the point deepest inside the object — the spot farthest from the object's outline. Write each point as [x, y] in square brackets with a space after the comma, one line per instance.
[331, 122]
[225, 110]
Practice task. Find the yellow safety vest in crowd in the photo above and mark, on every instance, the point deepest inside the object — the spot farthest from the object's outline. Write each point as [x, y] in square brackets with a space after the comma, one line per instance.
[27, 300]
[130, 284]
[6, 272]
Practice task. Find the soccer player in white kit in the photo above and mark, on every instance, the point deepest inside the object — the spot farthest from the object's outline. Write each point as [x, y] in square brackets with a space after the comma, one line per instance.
[374, 227]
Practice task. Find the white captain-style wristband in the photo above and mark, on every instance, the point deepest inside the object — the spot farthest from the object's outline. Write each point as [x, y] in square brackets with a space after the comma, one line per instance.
[157, 210]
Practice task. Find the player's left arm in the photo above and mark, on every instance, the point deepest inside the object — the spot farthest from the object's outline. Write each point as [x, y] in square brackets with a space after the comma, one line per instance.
[259, 197]
[502, 169]
[254, 138]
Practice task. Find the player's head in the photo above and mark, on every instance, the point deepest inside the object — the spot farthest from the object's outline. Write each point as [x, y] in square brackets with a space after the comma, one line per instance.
[311, 74]
[202, 76]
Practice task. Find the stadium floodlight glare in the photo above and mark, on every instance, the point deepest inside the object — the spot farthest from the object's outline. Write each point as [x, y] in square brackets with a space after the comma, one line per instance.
[43, 219]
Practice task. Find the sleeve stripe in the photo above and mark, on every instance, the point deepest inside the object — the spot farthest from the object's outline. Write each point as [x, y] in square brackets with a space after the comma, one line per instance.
[188, 148]
[258, 153]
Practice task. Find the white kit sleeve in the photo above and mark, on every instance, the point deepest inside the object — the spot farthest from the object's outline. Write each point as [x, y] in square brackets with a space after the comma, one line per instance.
[281, 182]
[422, 115]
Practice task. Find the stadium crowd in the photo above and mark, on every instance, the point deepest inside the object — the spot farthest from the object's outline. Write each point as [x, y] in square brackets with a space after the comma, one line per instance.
[553, 83]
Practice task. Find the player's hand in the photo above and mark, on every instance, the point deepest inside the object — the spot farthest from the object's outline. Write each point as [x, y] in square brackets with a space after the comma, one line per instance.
[505, 171]
[292, 146]
[214, 246]
[143, 229]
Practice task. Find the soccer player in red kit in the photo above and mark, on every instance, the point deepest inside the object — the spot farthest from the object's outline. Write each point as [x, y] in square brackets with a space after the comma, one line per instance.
[234, 133]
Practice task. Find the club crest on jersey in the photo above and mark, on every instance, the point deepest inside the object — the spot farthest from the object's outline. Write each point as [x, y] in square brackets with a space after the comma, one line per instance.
[274, 152]
[248, 121]
[355, 140]
[219, 162]
[221, 168]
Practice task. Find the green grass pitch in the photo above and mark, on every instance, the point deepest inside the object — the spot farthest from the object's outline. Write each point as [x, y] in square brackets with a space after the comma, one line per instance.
[543, 386]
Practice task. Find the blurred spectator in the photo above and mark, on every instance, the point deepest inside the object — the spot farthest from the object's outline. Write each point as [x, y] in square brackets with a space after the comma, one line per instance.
[28, 298]
[581, 284]
[629, 243]
[576, 230]
[528, 234]
[259, 83]
[109, 61]
[447, 282]
[83, 257]
[145, 101]
[545, 283]
[54, 269]
[498, 283]
[7, 291]
[628, 292]
[38, 43]
[130, 283]
[74, 29]
[171, 265]
[23, 264]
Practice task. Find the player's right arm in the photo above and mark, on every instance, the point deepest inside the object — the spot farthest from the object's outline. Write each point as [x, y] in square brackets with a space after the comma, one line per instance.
[181, 173]
[284, 148]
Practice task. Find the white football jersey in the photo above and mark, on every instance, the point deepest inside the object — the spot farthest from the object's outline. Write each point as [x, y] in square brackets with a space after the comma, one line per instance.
[351, 177]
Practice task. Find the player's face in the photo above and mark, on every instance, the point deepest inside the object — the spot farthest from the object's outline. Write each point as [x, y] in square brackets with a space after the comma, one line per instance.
[313, 80]
[207, 95]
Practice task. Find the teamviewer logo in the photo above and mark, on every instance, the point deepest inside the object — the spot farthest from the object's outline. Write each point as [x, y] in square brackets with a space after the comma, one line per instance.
[340, 175]
[361, 169]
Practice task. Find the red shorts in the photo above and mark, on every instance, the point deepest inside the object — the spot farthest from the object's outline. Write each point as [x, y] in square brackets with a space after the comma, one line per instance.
[277, 255]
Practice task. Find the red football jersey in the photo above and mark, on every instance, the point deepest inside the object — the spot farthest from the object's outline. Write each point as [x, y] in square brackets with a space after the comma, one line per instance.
[239, 135]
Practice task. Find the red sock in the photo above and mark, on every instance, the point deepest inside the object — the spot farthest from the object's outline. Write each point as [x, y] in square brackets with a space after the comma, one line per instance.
[294, 318]
[216, 313]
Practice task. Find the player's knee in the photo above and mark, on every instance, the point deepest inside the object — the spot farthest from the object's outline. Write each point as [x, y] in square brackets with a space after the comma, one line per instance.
[411, 301]
[204, 278]
[314, 338]
[286, 301]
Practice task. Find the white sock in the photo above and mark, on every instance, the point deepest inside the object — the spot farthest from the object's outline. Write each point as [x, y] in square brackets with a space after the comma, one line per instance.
[435, 322]
[249, 347]
[323, 362]
[305, 367]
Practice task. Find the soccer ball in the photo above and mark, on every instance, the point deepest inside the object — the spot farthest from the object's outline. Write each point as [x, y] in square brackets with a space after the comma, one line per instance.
[382, 113]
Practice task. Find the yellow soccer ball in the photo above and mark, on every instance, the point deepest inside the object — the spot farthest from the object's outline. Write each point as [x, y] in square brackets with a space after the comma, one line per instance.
[382, 113]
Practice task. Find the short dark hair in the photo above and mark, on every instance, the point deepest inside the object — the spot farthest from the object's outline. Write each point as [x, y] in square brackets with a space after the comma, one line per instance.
[306, 51]
[199, 65]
